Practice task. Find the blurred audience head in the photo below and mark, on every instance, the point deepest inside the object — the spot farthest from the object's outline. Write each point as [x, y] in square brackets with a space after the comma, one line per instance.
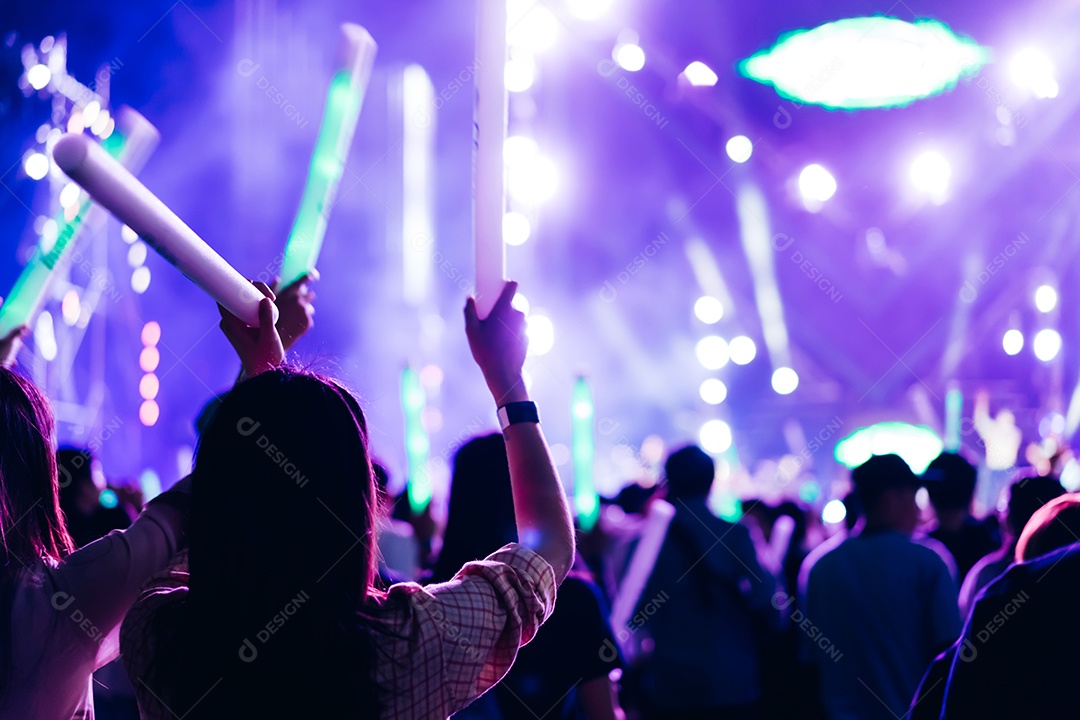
[1026, 495]
[1054, 525]
[950, 481]
[690, 472]
[31, 524]
[886, 488]
[480, 517]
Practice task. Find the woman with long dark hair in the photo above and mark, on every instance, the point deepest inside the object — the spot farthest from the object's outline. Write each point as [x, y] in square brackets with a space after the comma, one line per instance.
[61, 609]
[275, 613]
[565, 670]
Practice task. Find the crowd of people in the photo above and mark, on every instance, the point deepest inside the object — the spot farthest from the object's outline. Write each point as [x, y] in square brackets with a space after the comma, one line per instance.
[293, 584]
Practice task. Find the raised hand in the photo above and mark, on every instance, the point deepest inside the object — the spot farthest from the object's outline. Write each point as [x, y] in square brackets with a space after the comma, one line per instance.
[260, 348]
[499, 344]
[9, 344]
[295, 310]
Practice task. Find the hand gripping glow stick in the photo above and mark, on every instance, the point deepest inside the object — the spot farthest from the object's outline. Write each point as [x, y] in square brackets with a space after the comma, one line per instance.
[640, 569]
[132, 144]
[489, 134]
[583, 443]
[416, 441]
[117, 190]
[343, 102]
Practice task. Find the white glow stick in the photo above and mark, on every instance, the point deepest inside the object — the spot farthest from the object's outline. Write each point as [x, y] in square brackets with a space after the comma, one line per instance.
[489, 134]
[640, 569]
[117, 190]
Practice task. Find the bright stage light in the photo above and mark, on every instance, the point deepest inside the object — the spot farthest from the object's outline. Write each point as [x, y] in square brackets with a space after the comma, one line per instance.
[1032, 70]
[45, 336]
[140, 279]
[69, 195]
[90, 113]
[516, 228]
[712, 352]
[36, 165]
[541, 332]
[531, 26]
[816, 184]
[535, 182]
[916, 444]
[739, 148]
[866, 62]
[149, 386]
[151, 334]
[834, 512]
[520, 74]
[128, 234]
[1047, 344]
[149, 359]
[1046, 298]
[743, 350]
[588, 9]
[629, 56]
[713, 391]
[930, 172]
[70, 308]
[149, 412]
[709, 310]
[137, 255]
[38, 76]
[1012, 342]
[520, 303]
[715, 436]
[785, 380]
[699, 74]
[519, 150]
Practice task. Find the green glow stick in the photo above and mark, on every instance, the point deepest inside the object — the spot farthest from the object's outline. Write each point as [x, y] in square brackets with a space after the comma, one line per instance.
[954, 408]
[343, 102]
[583, 453]
[416, 441]
[131, 144]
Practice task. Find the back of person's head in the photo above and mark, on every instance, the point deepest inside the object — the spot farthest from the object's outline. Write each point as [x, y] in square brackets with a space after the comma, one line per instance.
[1054, 525]
[690, 472]
[481, 513]
[950, 482]
[31, 524]
[1027, 494]
[281, 558]
[877, 481]
[633, 498]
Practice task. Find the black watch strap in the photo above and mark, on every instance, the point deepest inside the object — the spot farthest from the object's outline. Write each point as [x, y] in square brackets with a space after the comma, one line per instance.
[518, 412]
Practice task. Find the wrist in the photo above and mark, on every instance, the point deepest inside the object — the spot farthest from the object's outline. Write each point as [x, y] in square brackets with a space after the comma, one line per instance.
[509, 391]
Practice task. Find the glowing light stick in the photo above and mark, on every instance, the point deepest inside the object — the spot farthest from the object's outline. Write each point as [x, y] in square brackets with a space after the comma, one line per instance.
[954, 406]
[343, 102]
[489, 134]
[117, 190]
[640, 569]
[583, 452]
[416, 441]
[131, 145]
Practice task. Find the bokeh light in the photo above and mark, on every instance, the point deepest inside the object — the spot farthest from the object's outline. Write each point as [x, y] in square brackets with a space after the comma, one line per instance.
[709, 310]
[784, 380]
[715, 436]
[712, 352]
[713, 391]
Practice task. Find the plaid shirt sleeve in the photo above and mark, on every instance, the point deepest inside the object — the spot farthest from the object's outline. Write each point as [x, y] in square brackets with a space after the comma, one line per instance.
[439, 647]
[446, 644]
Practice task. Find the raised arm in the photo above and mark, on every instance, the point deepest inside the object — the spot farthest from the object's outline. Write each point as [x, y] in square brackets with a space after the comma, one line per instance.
[498, 345]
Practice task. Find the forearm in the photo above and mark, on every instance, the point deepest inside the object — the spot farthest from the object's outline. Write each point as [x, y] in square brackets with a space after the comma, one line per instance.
[543, 518]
